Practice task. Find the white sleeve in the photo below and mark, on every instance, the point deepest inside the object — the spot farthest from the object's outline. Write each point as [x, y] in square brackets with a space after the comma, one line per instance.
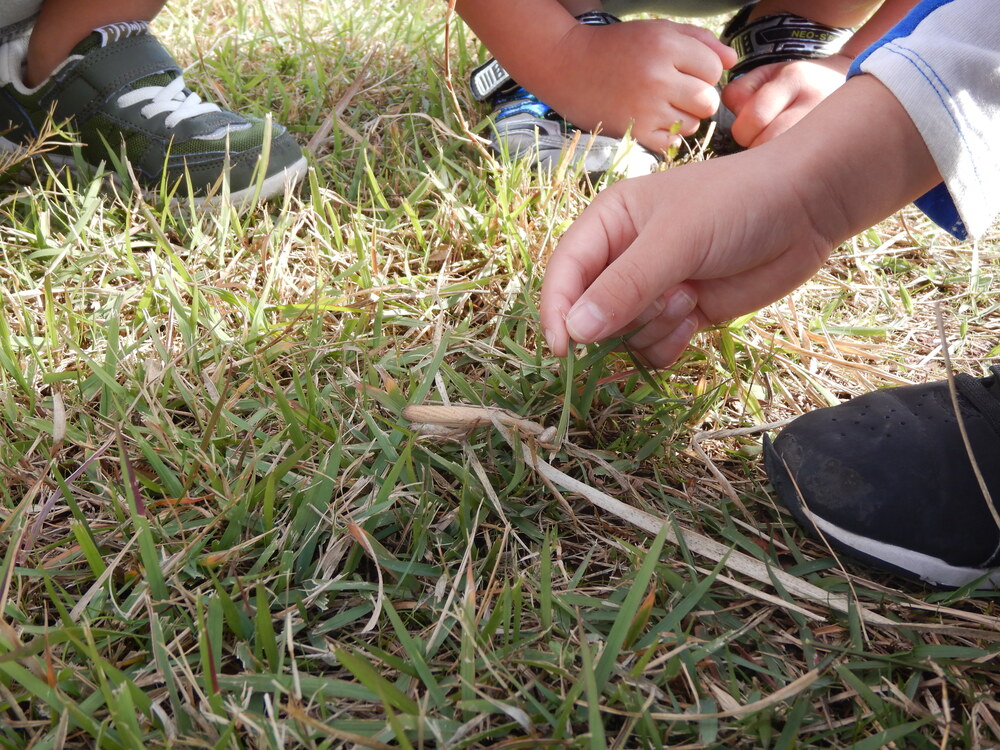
[943, 64]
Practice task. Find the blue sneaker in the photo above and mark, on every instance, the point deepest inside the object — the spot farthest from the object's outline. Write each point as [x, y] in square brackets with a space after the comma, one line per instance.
[525, 127]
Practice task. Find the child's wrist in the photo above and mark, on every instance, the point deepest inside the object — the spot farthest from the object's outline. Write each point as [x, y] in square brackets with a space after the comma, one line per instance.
[840, 62]
[571, 57]
[848, 175]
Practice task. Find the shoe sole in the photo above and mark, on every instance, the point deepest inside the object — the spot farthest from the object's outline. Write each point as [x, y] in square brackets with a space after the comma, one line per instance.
[594, 155]
[270, 187]
[909, 564]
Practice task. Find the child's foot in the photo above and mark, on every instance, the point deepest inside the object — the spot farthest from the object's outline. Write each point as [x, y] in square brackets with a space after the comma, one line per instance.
[887, 478]
[524, 127]
[122, 94]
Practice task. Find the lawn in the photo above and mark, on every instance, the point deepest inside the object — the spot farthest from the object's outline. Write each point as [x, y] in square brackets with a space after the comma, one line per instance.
[219, 529]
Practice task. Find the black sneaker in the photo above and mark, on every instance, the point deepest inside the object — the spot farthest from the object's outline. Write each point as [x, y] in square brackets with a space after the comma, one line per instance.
[886, 478]
[782, 37]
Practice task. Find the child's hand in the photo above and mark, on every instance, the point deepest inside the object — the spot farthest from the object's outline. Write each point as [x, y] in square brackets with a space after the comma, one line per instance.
[647, 75]
[674, 252]
[770, 99]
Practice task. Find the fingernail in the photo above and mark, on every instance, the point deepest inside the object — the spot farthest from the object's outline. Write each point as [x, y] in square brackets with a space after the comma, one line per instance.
[686, 330]
[651, 312]
[549, 337]
[586, 322]
[680, 304]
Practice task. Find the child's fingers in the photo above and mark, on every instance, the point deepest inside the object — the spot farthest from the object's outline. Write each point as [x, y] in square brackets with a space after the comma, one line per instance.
[659, 318]
[665, 351]
[737, 93]
[695, 59]
[565, 281]
[680, 124]
[583, 252]
[662, 132]
[769, 100]
[726, 54]
[762, 109]
[694, 97]
[659, 140]
[781, 123]
[617, 297]
[663, 317]
[690, 101]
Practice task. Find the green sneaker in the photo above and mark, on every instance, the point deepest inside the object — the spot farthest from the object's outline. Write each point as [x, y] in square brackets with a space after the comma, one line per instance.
[121, 94]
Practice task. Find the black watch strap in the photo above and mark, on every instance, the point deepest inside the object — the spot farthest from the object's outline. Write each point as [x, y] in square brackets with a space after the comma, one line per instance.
[779, 38]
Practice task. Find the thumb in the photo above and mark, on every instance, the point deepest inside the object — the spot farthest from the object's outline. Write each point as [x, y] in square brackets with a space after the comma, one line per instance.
[738, 92]
[584, 251]
[619, 298]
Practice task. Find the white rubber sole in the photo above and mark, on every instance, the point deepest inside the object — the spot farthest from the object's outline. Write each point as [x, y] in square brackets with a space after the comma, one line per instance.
[271, 187]
[928, 568]
[524, 136]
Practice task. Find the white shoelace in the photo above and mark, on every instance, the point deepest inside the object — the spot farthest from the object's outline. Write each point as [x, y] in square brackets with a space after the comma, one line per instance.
[170, 98]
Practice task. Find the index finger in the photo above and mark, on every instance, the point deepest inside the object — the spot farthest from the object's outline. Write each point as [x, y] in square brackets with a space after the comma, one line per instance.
[601, 232]
[727, 55]
[702, 55]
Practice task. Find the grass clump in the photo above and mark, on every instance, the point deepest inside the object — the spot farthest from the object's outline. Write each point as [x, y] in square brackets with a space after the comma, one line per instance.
[220, 532]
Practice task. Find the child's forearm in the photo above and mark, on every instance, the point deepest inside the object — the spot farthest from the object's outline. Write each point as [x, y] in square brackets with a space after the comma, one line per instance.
[838, 13]
[521, 34]
[850, 175]
[887, 16]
